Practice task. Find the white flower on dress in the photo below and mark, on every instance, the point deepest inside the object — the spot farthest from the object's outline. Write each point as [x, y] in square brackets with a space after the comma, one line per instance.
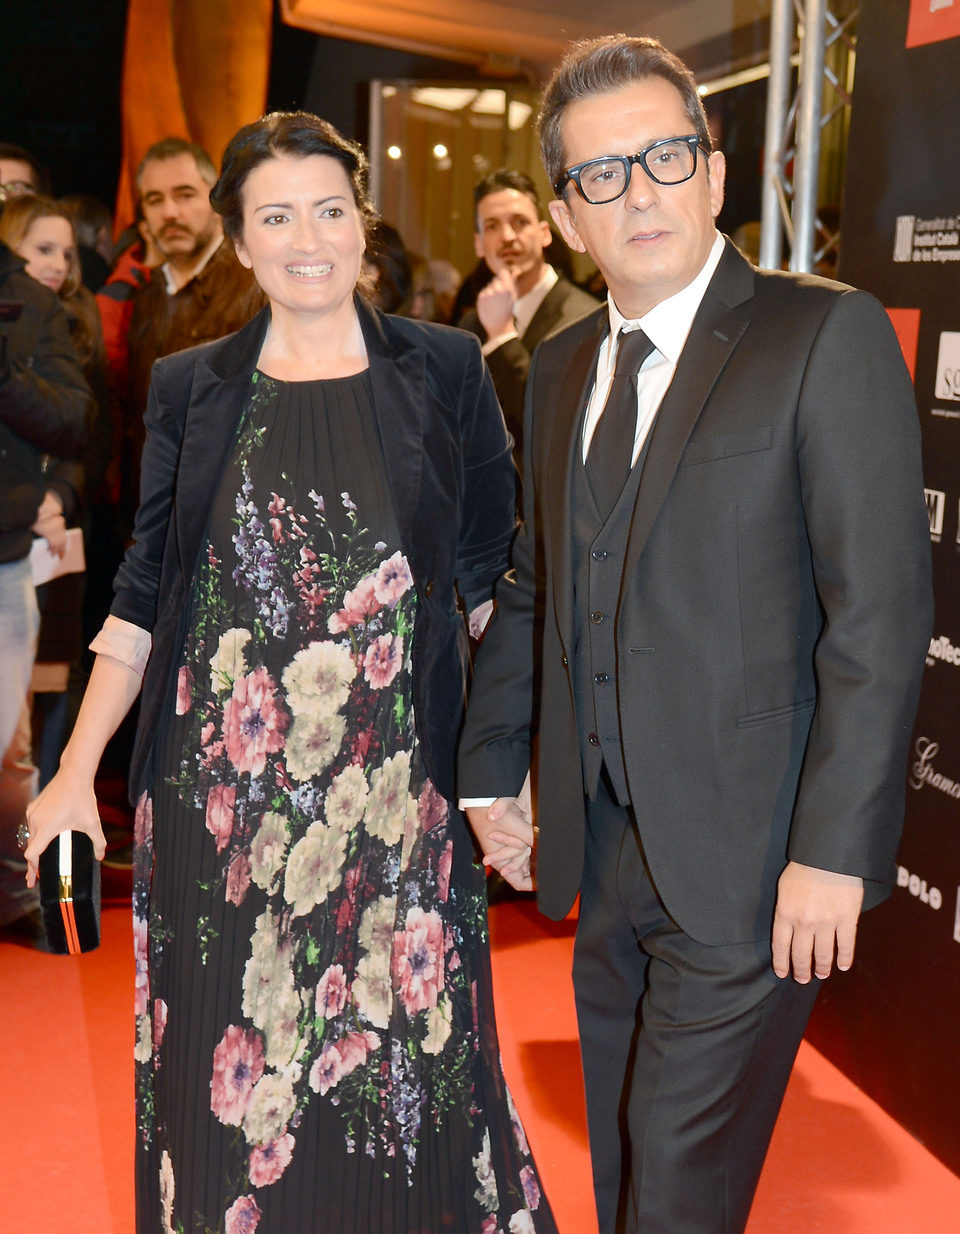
[268, 975]
[346, 798]
[314, 867]
[317, 679]
[486, 1192]
[387, 804]
[522, 1223]
[439, 1020]
[268, 848]
[272, 1105]
[228, 661]
[372, 989]
[168, 1189]
[312, 744]
[143, 1049]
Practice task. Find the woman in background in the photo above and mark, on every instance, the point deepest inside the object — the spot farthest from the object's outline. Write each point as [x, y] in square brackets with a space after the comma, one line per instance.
[325, 494]
[40, 231]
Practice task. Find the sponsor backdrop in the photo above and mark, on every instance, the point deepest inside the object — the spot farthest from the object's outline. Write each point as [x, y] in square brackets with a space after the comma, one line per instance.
[893, 1023]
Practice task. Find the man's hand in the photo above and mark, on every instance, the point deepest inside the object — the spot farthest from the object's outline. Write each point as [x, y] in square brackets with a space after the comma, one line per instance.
[815, 918]
[495, 304]
[506, 837]
[51, 525]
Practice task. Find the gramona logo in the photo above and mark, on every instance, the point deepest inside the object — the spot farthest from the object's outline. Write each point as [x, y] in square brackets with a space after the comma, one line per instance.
[948, 367]
[903, 239]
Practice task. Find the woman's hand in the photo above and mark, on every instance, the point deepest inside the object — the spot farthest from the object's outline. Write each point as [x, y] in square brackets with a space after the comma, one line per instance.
[67, 803]
[51, 524]
[506, 837]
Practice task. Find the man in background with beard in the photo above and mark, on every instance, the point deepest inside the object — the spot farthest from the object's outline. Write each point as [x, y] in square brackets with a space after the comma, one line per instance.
[200, 292]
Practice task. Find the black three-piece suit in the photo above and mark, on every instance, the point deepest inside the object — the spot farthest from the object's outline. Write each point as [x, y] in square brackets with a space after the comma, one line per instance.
[722, 677]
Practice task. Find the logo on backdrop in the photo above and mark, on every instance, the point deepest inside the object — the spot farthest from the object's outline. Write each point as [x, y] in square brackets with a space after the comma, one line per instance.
[948, 367]
[918, 888]
[943, 650]
[936, 504]
[927, 240]
[923, 771]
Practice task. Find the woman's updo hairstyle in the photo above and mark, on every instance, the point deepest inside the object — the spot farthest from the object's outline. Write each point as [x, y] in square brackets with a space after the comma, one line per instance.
[297, 133]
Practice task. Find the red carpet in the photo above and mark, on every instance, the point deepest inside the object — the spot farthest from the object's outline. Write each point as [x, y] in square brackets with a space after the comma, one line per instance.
[838, 1165]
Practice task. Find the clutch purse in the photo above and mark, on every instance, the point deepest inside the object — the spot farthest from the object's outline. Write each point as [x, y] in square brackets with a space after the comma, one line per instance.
[70, 894]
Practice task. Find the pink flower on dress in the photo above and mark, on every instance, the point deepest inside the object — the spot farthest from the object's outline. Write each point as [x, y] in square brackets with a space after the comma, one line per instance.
[332, 991]
[184, 690]
[268, 1161]
[238, 878]
[141, 970]
[489, 1226]
[253, 722]
[383, 660]
[444, 867]
[237, 1065]
[143, 820]
[431, 807]
[418, 960]
[242, 1217]
[358, 606]
[354, 1048]
[531, 1188]
[327, 1071]
[221, 803]
[159, 1022]
[393, 579]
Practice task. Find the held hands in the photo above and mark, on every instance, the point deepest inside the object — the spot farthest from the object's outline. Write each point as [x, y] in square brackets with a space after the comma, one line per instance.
[495, 304]
[66, 804]
[506, 837]
[816, 917]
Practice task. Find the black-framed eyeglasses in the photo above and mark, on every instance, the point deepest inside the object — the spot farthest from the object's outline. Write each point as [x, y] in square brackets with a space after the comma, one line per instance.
[670, 161]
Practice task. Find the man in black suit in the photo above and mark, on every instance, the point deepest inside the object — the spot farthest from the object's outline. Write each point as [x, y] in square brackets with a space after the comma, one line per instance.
[716, 629]
[526, 298]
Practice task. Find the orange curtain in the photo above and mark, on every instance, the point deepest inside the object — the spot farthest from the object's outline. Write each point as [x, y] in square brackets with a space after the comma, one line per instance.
[192, 68]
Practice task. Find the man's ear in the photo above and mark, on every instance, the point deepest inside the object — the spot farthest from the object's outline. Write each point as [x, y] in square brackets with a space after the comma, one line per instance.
[546, 235]
[717, 175]
[478, 244]
[566, 224]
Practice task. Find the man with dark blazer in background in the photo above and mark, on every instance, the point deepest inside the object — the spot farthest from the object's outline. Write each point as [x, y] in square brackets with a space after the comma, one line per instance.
[526, 298]
[715, 627]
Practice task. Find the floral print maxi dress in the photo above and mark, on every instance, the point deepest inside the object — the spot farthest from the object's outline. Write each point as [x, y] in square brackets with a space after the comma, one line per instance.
[316, 1050]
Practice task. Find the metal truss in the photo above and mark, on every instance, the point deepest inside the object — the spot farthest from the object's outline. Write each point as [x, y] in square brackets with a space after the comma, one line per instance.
[826, 31]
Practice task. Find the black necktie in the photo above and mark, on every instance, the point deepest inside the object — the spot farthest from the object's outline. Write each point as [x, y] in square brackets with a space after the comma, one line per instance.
[610, 456]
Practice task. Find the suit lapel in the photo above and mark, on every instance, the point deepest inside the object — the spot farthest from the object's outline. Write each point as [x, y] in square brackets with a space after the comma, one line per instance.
[561, 452]
[219, 390]
[717, 328]
[400, 398]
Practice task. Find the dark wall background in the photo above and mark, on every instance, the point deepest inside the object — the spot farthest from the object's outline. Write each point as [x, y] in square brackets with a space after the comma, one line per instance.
[60, 72]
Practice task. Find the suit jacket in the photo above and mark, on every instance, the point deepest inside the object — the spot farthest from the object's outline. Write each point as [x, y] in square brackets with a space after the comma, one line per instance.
[450, 473]
[509, 364]
[774, 608]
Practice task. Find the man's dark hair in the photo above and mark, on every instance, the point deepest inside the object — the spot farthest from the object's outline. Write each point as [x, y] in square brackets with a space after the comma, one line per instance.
[297, 133]
[505, 178]
[173, 147]
[41, 178]
[596, 66]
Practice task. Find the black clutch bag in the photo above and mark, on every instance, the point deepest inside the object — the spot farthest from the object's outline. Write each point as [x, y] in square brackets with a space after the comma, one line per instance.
[70, 894]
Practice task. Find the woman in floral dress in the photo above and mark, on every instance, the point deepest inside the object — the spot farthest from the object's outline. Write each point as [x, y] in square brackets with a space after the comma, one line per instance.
[325, 493]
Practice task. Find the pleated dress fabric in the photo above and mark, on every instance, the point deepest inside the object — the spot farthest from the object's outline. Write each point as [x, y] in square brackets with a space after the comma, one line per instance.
[316, 1047]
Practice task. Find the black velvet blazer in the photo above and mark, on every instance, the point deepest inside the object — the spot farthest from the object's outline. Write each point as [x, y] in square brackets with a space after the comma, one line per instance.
[450, 473]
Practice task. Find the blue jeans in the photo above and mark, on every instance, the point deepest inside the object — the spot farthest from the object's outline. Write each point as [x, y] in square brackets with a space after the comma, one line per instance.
[19, 624]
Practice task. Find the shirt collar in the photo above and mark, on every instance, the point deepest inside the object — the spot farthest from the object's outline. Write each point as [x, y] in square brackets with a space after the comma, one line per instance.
[668, 323]
[205, 256]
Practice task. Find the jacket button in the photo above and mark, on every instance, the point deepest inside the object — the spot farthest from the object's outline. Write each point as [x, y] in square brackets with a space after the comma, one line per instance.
[428, 589]
[596, 617]
[601, 678]
[563, 661]
[599, 554]
[594, 739]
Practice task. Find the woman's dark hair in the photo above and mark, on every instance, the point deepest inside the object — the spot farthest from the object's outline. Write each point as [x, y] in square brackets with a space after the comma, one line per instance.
[297, 133]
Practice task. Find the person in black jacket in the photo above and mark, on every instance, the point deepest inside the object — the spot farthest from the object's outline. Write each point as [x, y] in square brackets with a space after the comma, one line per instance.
[45, 405]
